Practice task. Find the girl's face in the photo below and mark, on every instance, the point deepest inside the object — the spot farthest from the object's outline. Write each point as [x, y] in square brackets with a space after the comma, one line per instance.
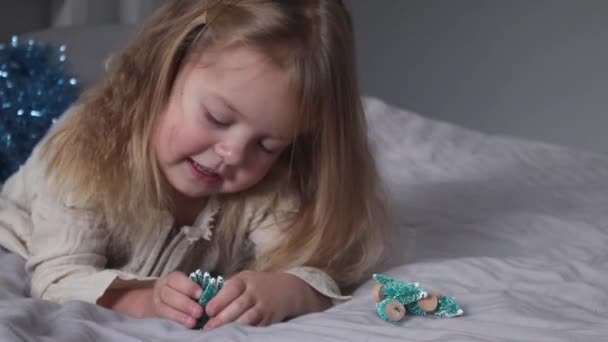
[229, 116]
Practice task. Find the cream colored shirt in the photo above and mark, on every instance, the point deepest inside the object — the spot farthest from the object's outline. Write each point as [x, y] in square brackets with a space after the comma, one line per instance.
[70, 257]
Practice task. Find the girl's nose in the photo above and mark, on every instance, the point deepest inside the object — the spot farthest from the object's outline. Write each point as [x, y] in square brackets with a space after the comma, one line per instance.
[232, 153]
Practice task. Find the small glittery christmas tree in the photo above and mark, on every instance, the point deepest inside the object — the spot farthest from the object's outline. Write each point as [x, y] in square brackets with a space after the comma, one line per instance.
[211, 286]
[396, 298]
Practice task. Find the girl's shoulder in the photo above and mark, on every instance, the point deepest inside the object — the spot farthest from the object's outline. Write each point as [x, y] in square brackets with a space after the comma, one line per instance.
[27, 181]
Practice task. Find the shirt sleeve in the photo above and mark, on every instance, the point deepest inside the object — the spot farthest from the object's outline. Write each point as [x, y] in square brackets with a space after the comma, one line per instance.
[265, 234]
[320, 281]
[68, 254]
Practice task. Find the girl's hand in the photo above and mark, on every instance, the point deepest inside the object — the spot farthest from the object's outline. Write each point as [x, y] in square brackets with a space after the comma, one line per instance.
[175, 297]
[263, 298]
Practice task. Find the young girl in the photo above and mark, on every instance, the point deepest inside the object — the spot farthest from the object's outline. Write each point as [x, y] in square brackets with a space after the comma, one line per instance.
[228, 136]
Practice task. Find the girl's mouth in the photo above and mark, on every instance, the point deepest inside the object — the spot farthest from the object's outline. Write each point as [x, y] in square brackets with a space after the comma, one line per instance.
[204, 173]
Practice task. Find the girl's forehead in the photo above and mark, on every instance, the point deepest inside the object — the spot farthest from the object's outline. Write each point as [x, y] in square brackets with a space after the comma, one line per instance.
[235, 57]
[246, 82]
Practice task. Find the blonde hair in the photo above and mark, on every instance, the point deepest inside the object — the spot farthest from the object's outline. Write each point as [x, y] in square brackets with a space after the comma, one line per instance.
[103, 159]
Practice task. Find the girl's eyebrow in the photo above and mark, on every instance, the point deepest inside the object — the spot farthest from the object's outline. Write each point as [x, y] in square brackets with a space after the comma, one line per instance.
[228, 105]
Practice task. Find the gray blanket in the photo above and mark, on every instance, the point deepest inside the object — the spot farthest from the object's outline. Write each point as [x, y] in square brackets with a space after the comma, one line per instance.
[516, 231]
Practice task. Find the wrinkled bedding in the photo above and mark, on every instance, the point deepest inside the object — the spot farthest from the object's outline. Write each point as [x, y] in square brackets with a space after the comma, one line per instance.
[516, 231]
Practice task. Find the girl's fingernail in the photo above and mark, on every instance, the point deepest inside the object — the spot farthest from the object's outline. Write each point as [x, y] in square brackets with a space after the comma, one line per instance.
[190, 322]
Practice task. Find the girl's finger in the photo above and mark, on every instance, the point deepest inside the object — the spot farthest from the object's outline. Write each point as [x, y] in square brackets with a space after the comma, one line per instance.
[266, 321]
[180, 317]
[183, 284]
[232, 290]
[233, 311]
[251, 317]
[180, 302]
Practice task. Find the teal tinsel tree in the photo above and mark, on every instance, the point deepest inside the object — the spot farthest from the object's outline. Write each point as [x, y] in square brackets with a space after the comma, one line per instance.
[35, 89]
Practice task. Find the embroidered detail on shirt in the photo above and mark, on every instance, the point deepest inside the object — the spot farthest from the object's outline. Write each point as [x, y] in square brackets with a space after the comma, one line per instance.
[204, 224]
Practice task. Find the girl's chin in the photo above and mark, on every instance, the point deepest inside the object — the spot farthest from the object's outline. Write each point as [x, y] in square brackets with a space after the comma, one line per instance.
[190, 191]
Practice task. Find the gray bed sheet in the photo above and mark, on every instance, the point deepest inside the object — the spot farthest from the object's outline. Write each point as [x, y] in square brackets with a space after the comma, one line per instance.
[516, 230]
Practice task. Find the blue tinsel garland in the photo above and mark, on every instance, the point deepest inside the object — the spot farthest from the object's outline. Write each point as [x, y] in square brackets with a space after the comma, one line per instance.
[35, 90]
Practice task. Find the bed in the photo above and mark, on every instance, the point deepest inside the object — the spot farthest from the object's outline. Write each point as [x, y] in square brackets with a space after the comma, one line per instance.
[515, 230]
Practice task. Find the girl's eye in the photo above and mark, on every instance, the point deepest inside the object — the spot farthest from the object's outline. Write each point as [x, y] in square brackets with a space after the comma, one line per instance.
[265, 149]
[216, 122]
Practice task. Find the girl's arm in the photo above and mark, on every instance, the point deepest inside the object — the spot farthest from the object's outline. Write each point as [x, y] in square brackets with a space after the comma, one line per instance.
[172, 297]
[65, 249]
[310, 300]
[68, 258]
[127, 301]
[67, 252]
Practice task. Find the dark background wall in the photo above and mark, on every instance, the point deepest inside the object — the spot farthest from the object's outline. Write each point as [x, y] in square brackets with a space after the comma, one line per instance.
[531, 68]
